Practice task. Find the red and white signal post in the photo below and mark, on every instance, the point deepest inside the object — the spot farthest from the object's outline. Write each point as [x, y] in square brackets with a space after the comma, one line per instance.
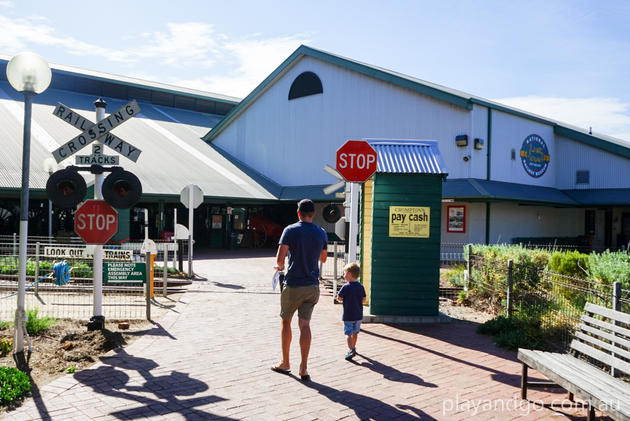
[356, 162]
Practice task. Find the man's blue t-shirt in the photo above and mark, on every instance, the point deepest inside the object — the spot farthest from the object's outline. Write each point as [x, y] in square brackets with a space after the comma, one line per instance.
[306, 242]
[352, 294]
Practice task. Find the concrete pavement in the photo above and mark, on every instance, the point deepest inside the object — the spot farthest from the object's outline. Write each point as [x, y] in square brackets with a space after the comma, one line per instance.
[211, 358]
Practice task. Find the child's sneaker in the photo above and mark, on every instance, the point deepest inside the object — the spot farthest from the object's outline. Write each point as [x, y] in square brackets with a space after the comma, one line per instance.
[350, 355]
[354, 352]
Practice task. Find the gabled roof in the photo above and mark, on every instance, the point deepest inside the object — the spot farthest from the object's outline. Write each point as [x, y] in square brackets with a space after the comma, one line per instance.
[442, 93]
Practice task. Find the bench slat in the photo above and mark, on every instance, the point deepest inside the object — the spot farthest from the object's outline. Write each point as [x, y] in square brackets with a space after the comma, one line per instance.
[606, 312]
[586, 387]
[605, 345]
[605, 325]
[616, 386]
[600, 356]
[616, 339]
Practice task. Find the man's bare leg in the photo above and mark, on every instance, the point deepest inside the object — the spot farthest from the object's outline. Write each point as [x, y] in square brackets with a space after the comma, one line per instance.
[285, 337]
[305, 344]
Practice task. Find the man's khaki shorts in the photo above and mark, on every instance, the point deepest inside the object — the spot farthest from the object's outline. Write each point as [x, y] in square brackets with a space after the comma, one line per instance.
[302, 299]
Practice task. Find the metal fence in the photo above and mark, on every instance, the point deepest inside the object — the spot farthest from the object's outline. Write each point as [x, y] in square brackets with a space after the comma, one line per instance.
[75, 299]
[551, 303]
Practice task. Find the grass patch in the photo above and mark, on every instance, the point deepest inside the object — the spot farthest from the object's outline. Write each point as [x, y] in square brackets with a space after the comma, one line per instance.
[35, 325]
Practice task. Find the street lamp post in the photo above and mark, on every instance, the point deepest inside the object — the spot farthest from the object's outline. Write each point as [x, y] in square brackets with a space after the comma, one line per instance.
[27, 73]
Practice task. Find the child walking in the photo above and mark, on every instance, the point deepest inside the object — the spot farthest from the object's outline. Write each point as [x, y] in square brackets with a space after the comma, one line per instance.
[352, 295]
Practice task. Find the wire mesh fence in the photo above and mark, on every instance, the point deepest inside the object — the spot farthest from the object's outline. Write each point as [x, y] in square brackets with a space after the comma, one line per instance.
[549, 302]
[75, 299]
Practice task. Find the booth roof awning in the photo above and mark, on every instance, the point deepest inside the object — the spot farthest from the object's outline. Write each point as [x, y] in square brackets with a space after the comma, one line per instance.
[408, 156]
[601, 197]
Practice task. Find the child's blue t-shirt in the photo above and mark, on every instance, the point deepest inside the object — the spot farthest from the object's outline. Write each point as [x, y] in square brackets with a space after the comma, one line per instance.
[352, 294]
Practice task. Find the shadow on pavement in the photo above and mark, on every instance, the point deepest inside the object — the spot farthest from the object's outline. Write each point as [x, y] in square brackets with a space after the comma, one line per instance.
[168, 389]
[462, 336]
[158, 330]
[390, 373]
[366, 407]
[229, 286]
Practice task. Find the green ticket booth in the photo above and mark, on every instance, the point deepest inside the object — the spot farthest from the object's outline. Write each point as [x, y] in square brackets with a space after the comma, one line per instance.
[400, 229]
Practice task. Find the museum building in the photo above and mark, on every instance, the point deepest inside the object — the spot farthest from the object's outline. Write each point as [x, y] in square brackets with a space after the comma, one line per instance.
[512, 176]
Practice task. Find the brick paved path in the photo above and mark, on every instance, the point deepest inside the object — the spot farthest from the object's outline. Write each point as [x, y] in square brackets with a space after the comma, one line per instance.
[211, 360]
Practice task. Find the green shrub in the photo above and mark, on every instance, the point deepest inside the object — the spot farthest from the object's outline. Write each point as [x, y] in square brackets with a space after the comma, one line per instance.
[608, 267]
[569, 263]
[455, 275]
[14, 384]
[5, 325]
[35, 324]
[71, 369]
[6, 345]
[513, 333]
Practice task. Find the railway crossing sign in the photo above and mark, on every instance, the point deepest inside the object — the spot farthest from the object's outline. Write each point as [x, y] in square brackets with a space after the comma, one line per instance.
[101, 131]
[97, 157]
[95, 221]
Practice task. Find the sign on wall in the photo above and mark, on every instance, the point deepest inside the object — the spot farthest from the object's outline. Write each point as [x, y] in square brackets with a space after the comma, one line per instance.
[456, 221]
[409, 221]
[535, 155]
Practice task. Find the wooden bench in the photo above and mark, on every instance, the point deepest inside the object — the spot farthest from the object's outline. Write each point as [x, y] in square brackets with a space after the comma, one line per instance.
[603, 336]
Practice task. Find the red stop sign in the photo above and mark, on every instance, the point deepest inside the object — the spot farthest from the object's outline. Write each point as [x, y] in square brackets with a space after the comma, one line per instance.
[95, 221]
[356, 161]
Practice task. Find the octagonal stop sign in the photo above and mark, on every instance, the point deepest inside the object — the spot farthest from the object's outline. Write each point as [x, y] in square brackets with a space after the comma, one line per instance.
[95, 221]
[356, 161]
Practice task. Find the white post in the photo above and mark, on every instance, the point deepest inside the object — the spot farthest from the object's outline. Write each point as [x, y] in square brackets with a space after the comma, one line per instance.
[190, 230]
[174, 239]
[354, 222]
[146, 223]
[98, 319]
[165, 277]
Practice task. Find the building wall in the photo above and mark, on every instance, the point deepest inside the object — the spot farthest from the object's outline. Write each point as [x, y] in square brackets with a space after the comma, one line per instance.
[606, 169]
[509, 132]
[475, 225]
[509, 220]
[291, 141]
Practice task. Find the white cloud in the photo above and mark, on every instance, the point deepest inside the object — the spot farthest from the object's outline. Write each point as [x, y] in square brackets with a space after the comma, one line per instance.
[6, 3]
[608, 116]
[190, 54]
[253, 59]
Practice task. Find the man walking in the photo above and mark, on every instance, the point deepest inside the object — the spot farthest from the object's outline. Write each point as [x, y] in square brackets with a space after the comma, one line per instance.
[305, 243]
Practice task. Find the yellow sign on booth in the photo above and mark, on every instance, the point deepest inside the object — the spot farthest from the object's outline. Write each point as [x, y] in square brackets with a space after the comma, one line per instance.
[409, 221]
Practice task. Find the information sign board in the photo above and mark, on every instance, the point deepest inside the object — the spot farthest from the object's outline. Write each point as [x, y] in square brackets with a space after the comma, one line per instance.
[409, 221]
[124, 273]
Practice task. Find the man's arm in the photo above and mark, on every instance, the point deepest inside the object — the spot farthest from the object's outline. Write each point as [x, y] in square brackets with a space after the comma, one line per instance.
[283, 250]
[323, 256]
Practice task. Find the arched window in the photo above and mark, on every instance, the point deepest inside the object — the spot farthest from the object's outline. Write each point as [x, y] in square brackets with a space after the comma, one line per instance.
[305, 84]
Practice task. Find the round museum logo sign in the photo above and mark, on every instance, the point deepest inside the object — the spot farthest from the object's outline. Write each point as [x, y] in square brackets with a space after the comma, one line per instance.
[535, 155]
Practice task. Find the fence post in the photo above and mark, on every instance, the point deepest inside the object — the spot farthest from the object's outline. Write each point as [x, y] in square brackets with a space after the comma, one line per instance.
[15, 245]
[509, 287]
[165, 277]
[37, 268]
[334, 270]
[468, 267]
[616, 305]
[147, 289]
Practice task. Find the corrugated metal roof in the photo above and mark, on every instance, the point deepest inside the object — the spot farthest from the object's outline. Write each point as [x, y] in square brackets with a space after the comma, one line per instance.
[600, 197]
[408, 156]
[173, 153]
[484, 190]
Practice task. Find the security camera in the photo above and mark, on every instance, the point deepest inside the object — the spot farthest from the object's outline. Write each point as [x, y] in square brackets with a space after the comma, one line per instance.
[466, 158]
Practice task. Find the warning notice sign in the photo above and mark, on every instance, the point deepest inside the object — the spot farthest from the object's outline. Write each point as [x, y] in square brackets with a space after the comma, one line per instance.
[409, 221]
[124, 273]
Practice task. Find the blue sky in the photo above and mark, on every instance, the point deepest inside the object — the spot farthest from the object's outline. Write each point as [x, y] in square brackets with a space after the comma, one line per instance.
[566, 60]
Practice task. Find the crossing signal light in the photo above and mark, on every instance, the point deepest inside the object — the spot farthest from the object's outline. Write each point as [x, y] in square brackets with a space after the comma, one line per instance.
[331, 213]
[122, 189]
[66, 188]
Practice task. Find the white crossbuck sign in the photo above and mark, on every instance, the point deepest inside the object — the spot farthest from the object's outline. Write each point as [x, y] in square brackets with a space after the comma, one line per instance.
[101, 131]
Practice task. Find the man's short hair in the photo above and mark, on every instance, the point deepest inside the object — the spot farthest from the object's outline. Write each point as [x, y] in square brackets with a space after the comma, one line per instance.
[306, 206]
